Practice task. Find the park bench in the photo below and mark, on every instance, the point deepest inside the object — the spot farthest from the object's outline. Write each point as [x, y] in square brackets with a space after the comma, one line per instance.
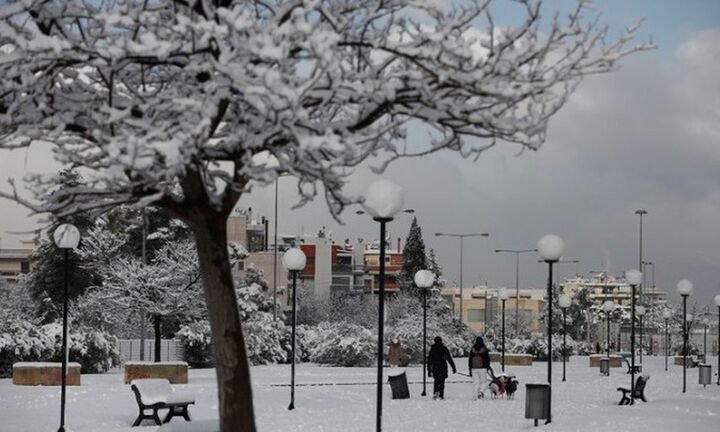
[638, 394]
[693, 361]
[638, 368]
[156, 394]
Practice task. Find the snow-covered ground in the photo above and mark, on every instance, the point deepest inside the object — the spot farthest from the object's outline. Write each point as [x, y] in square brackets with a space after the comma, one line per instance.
[585, 402]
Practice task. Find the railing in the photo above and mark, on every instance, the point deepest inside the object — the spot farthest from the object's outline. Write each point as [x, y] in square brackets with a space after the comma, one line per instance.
[170, 350]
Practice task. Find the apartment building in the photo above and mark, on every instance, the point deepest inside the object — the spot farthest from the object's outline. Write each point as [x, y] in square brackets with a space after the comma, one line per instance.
[15, 261]
[482, 306]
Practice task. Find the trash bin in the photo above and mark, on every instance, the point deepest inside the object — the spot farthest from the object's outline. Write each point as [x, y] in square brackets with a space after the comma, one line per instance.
[399, 385]
[537, 402]
[605, 366]
[704, 374]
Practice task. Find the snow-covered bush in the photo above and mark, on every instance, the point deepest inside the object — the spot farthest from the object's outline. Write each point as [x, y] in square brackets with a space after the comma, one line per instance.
[21, 340]
[409, 332]
[536, 346]
[96, 351]
[267, 340]
[339, 344]
[195, 339]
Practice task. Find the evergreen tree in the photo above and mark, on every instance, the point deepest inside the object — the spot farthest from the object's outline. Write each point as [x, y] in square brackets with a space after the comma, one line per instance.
[46, 280]
[414, 259]
[433, 265]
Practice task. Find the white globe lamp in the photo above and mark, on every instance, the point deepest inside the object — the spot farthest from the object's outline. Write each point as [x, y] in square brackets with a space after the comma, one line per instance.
[633, 277]
[294, 259]
[383, 200]
[551, 248]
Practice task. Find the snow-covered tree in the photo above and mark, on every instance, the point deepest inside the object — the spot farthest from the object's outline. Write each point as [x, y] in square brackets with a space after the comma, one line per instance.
[433, 265]
[167, 286]
[414, 259]
[186, 105]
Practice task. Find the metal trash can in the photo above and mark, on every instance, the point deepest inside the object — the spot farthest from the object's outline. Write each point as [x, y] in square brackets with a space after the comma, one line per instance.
[399, 385]
[704, 374]
[537, 402]
[605, 366]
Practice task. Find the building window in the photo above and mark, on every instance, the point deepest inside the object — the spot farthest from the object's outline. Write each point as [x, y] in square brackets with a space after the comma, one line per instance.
[25, 267]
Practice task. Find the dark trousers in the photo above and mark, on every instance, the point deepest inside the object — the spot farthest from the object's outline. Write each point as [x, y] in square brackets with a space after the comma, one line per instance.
[439, 387]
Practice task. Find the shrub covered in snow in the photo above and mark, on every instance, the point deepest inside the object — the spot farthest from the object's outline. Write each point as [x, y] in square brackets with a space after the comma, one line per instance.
[339, 344]
[22, 340]
[267, 340]
[195, 339]
[96, 351]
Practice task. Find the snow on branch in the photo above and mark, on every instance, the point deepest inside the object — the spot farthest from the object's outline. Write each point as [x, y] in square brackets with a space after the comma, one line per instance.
[174, 102]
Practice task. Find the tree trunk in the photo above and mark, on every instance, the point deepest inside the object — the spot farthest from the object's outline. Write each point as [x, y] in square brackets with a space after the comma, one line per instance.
[158, 341]
[232, 368]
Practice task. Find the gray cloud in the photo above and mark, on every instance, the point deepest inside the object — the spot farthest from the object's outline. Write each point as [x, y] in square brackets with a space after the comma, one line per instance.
[644, 137]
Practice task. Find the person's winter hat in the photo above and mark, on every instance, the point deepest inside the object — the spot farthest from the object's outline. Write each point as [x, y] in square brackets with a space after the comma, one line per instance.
[438, 340]
[479, 341]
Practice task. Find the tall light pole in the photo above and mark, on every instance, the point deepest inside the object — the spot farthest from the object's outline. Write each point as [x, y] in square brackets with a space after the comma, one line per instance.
[705, 326]
[717, 303]
[667, 314]
[503, 295]
[424, 279]
[641, 212]
[640, 311]
[551, 248]
[66, 237]
[608, 307]
[517, 253]
[564, 301]
[461, 237]
[685, 288]
[634, 278]
[294, 260]
[275, 250]
[383, 200]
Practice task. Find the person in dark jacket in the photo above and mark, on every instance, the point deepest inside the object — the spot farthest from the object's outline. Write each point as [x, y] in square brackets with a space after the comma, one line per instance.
[478, 363]
[438, 358]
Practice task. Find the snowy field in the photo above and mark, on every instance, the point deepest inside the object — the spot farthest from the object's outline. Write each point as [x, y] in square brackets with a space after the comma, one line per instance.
[585, 402]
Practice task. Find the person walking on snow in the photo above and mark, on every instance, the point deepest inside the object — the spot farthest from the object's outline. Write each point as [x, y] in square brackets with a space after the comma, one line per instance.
[438, 358]
[478, 363]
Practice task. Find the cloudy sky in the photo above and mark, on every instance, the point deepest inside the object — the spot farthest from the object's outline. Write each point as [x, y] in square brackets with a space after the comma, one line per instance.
[647, 136]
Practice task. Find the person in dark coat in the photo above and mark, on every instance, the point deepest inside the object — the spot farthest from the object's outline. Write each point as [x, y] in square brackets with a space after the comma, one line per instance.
[437, 362]
[478, 363]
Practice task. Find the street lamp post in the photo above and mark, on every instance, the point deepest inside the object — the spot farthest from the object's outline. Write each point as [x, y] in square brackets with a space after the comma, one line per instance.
[705, 326]
[608, 307]
[461, 237]
[640, 311]
[551, 248]
[66, 237]
[564, 301]
[717, 303]
[667, 314]
[517, 253]
[424, 279]
[294, 260]
[503, 295]
[685, 288]
[383, 201]
[633, 277]
[641, 212]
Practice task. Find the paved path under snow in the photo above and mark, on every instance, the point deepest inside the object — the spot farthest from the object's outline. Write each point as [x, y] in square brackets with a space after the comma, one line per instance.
[585, 402]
